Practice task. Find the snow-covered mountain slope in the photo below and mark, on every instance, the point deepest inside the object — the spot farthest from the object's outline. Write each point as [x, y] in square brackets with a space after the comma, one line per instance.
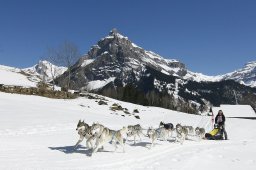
[15, 76]
[29, 77]
[39, 133]
[45, 70]
[198, 77]
[245, 75]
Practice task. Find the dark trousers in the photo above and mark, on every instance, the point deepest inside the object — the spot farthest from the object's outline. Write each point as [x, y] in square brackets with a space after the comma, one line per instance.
[224, 131]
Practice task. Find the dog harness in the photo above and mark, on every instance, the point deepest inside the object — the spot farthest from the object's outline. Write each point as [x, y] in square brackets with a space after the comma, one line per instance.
[113, 135]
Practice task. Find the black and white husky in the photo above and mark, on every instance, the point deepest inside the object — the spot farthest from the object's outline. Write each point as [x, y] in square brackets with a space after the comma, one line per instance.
[84, 130]
[167, 126]
[108, 135]
[134, 130]
[159, 133]
[181, 133]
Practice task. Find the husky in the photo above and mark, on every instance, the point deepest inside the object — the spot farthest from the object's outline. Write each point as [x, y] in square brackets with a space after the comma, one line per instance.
[84, 131]
[167, 126]
[134, 130]
[200, 132]
[181, 132]
[112, 136]
[97, 129]
[154, 134]
[190, 130]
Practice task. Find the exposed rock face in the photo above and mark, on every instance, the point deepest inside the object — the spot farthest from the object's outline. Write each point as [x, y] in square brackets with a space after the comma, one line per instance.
[116, 57]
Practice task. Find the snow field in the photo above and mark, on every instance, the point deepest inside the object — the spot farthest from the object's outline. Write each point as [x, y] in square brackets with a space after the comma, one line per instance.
[39, 133]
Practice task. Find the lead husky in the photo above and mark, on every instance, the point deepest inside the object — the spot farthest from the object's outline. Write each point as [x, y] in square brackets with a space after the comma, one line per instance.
[134, 130]
[97, 129]
[181, 132]
[153, 134]
[84, 130]
[112, 136]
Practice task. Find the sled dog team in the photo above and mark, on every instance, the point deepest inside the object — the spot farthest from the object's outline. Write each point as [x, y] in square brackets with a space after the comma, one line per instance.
[98, 135]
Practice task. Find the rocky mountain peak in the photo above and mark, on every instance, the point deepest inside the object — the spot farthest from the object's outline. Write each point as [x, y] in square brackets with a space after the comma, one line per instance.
[120, 48]
[114, 31]
[45, 70]
[115, 56]
[116, 34]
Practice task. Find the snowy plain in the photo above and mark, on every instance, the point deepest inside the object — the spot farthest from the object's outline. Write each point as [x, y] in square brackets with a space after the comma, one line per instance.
[39, 133]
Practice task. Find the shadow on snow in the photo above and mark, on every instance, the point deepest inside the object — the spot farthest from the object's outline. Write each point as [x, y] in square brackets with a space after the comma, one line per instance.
[80, 149]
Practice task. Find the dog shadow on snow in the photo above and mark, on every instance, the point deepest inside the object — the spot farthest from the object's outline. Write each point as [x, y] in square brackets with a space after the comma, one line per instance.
[143, 144]
[70, 149]
[79, 149]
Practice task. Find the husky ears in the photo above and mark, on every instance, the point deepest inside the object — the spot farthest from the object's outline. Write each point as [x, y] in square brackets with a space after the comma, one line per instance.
[83, 121]
[79, 121]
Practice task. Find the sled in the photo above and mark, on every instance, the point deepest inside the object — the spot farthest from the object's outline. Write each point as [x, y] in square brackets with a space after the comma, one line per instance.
[215, 134]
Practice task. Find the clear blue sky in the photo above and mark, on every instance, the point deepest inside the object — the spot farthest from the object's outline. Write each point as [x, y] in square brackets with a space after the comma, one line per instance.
[209, 36]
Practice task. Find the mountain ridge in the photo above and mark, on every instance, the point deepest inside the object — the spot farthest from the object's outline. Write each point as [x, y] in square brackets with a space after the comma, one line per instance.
[118, 68]
[167, 66]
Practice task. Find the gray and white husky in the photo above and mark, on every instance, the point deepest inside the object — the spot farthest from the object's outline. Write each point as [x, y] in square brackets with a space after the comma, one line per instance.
[200, 132]
[84, 130]
[181, 133]
[134, 130]
[190, 130]
[108, 135]
[97, 129]
[159, 133]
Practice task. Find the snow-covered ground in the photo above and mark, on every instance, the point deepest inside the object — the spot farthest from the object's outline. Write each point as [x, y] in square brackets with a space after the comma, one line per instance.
[39, 133]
